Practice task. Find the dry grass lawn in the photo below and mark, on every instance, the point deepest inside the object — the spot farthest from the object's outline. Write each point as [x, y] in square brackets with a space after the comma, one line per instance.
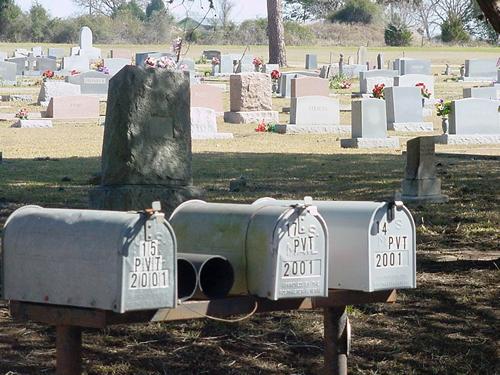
[448, 325]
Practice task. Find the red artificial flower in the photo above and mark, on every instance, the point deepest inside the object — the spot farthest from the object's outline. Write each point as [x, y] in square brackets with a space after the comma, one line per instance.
[275, 74]
[261, 128]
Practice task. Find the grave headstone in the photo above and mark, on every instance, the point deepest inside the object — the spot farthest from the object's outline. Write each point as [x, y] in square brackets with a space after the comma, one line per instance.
[311, 61]
[210, 54]
[115, 64]
[91, 82]
[314, 114]
[78, 63]
[362, 56]
[250, 99]
[57, 53]
[421, 183]
[480, 70]
[285, 82]
[37, 51]
[44, 63]
[482, 92]
[32, 124]
[3, 55]
[380, 61]
[368, 79]
[8, 72]
[369, 126]
[21, 52]
[52, 88]
[204, 124]
[309, 86]
[226, 64]
[474, 116]
[404, 110]
[20, 62]
[414, 66]
[86, 47]
[73, 107]
[208, 96]
[118, 53]
[146, 154]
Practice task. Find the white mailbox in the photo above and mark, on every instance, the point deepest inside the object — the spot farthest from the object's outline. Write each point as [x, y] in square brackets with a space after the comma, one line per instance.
[277, 251]
[118, 261]
[372, 244]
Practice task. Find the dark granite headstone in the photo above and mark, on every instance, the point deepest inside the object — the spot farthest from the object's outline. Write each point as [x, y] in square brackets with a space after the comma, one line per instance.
[420, 183]
[146, 153]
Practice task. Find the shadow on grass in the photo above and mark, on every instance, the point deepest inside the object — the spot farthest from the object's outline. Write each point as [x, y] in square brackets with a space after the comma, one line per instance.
[446, 326]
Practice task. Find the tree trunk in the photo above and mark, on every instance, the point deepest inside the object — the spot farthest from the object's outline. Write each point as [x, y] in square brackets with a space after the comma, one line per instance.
[491, 10]
[275, 31]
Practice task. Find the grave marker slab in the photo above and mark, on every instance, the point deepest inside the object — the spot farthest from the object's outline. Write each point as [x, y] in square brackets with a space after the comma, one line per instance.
[86, 47]
[21, 63]
[32, 124]
[362, 56]
[8, 72]
[404, 110]
[368, 79]
[482, 92]
[91, 82]
[414, 66]
[207, 96]
[78, 63]
[309, 86]
[116, 64]
[311, 61]
[369, 126]
[43, 64]
[51, 88]
[420, 183]
[3, 55]
[204, 124]
[73, 107]
[314, 114]
[37, 51]
[480, 70]
[226, 64]
[57, 53]
[250, 99]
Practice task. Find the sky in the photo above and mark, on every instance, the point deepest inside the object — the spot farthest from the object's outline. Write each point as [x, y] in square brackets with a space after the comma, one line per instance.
[244, 9]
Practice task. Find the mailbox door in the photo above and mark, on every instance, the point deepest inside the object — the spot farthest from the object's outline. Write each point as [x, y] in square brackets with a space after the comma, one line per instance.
[392, 249]
[287, 253]
[149, 266]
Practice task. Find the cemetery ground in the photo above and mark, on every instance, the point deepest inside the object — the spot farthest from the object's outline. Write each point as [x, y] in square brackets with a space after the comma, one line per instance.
[448, 325]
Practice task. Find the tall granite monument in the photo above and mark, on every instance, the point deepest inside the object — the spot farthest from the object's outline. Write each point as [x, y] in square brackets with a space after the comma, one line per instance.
[146, 154]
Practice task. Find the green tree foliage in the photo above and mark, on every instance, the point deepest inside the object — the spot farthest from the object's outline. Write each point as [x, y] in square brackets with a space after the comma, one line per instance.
[356, 11]
[397, 35]
[9, 12]
[453, 31]
[131, 8]
[304, 10]
[40, 21]
[154, 6]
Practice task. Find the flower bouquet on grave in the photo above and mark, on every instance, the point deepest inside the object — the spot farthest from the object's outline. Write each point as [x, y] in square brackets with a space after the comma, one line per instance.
[47, 74]
[344, 85]
[423, 90]
[22, 114]
[275, 76]
[215, 61]
[443, 109]
[101, 68]
[261, 127]
[378, 91]
[257, 63]
[74, 72]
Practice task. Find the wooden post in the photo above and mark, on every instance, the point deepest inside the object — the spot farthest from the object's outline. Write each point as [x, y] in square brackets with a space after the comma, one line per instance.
[335, 330]
[68, 350]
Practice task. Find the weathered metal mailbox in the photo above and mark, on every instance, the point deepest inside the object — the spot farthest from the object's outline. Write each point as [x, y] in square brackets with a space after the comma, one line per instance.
[118, 261]
[276, 252]
[372, 244]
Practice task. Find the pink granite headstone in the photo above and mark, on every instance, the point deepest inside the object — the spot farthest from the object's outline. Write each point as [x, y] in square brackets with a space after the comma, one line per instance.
[207, 96]
[310, 86]
[73, 107]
